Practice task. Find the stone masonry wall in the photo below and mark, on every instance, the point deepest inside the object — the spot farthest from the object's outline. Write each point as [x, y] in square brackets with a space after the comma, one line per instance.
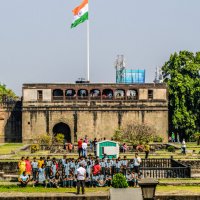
[93, 122]
[10, 124]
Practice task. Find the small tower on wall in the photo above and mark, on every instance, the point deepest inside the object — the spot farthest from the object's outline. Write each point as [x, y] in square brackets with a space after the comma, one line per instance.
[158, 75]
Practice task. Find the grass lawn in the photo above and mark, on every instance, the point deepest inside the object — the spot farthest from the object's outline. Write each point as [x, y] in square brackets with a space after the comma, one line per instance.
[30, 189]
[183, 190]
[183, 180]
[7, 148]
[158, 154]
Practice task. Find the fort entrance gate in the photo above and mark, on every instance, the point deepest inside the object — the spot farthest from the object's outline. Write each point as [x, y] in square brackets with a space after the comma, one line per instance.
[63, 129]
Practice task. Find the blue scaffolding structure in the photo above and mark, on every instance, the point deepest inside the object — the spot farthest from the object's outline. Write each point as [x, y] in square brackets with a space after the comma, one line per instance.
[129, 76]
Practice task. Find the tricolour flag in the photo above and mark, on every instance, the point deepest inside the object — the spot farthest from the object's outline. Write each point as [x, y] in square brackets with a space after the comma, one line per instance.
[80, 14]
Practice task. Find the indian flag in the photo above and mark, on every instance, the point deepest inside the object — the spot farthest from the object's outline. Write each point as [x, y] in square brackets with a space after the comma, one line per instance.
[80, 14]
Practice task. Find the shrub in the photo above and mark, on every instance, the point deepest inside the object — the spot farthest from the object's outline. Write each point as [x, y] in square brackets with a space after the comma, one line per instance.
[136, 133]
[117, 135]
[157, 138]
[119, 181]
[34, 148]
[60, 138]
[171, 149]
[45, 139]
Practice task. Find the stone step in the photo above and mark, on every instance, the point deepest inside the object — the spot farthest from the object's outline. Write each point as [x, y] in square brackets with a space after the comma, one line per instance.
[125, 194]
[10, 177]
[1, 174]
[195, 176]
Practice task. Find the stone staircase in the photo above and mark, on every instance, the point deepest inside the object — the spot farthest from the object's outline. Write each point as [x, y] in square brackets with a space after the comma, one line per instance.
[195, 173]
[8, 177]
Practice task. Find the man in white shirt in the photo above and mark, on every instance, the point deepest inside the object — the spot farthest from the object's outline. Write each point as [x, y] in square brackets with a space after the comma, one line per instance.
[81, 175]
[84, 149]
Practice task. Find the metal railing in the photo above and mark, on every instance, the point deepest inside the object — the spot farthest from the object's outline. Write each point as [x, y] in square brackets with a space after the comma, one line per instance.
[164, 168]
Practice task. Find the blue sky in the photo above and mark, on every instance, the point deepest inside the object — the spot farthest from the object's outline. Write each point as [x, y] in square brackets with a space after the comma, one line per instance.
[37, 44]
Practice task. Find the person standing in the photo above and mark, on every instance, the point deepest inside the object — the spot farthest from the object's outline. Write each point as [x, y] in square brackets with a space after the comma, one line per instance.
[28, 166]
[146, 150]
[137, 161]
[48, 164]
[183, 147]
[41, 176]
[173, 137]
[124, 148]
[70, 147]
[94, 144]
[40, 162]
[80, 142]
[34, 165]
[84, 149]
[22, 166]
[81, 175]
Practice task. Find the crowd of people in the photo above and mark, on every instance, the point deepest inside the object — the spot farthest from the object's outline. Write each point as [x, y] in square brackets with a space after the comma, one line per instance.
[65, 172]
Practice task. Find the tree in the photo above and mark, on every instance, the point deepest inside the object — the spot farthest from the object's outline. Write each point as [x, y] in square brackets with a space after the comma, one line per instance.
[182, 75]
[135, 133]
[6, 93]
[48, 141]
[197, 137]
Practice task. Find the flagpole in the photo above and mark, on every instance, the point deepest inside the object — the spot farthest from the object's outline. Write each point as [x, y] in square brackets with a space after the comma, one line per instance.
[88, 47]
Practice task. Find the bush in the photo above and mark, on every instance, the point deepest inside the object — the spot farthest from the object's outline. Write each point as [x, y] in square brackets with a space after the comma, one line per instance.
[60, 138]
[119, 181]
[117, 135]
[171, 149]
[34, 148]
[45, 139]
[157, 138]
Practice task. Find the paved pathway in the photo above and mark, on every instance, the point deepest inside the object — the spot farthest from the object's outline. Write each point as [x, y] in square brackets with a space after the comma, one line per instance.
[126, 194]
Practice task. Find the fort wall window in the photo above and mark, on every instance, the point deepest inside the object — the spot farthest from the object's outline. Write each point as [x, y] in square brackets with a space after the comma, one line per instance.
[150, 94]
[82, 94]
[39, 95]
[132, 94]
[95, 94]
[58, 94]
[119, 94]
[70, 93]
[107, 94]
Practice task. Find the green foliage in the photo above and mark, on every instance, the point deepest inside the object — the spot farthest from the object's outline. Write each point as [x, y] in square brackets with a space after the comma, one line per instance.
[119, 181]
[171, 149]
[117, 135]
[60, 138]
[157, 138]
[34, 148]
[135, 133]
[197, 137]
[5, 92]
[181, 73]
[43, 139]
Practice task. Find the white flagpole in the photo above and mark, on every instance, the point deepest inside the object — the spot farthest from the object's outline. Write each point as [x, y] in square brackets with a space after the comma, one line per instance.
[88, 47]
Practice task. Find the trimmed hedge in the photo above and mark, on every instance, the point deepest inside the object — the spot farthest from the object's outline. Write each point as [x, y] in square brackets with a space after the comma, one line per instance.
[119, 181]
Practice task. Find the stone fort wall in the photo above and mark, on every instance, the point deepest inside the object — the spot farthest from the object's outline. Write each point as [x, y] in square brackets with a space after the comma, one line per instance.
[10, 123]
[46, 105]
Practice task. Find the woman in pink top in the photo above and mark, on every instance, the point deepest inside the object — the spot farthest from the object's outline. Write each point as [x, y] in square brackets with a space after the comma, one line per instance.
[28, 166]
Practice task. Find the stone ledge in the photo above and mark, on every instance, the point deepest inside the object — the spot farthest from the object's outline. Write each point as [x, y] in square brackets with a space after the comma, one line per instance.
[177, 197]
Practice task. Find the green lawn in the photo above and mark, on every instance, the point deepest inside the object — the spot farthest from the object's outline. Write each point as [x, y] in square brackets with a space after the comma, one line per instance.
[7, 148]
[190, 190]
[30, 189]
[177, 180]
[160, 190]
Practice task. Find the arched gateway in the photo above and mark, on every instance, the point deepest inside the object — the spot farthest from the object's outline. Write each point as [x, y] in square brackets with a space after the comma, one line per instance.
[64, 129]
